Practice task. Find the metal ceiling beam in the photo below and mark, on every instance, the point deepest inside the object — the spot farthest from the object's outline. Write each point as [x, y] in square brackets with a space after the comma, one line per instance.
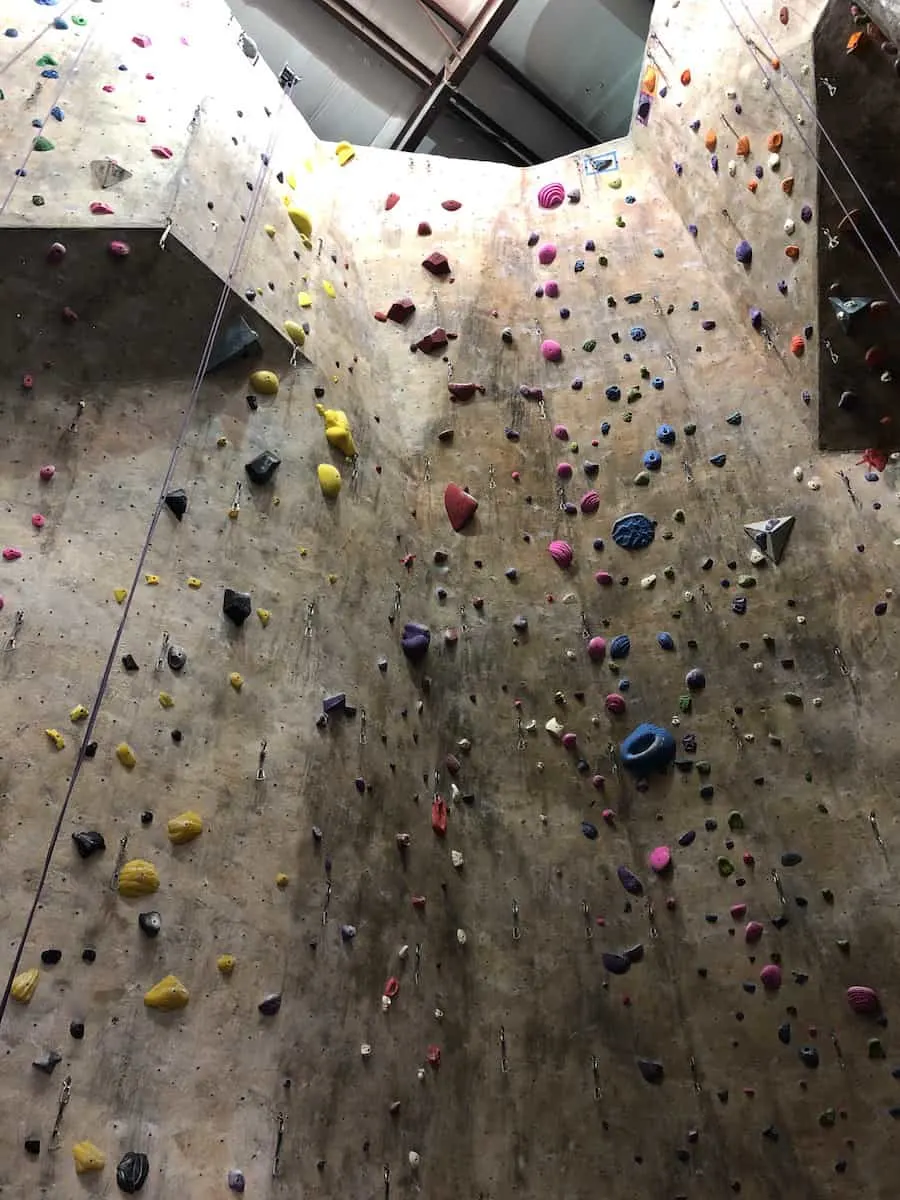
[475, 39]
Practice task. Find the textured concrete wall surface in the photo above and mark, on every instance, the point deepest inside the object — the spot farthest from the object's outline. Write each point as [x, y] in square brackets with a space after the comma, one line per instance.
[348, 886]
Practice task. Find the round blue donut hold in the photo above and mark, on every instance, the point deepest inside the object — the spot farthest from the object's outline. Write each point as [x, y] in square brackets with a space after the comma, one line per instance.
[647, 749]
[665, 434]
[653, 460]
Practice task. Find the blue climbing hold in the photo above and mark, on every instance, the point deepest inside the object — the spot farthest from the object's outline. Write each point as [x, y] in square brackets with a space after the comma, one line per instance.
[59, 23]
[620, 646]
[637, 333]
[598, 543]
[589, 245]
[50, 73]
[629, 199]
[652, 460]
[687, 838]
[693, 230]
[624, 685]
[604, 428]
[739, 605]
[658, 383]
[666, 641]
[666, 435]
[57, 113]
[647, 748]
[629, 881]
[613, 392]
[579, 265]
[634, 531]
[589, 831]
[695, 306]
[718, 460]
[37, 123]
[11, 33]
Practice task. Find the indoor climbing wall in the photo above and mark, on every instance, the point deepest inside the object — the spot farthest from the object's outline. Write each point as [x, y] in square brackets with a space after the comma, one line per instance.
[447, 691]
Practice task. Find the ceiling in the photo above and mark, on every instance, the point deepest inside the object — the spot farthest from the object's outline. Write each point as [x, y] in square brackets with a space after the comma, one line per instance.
[515, 81]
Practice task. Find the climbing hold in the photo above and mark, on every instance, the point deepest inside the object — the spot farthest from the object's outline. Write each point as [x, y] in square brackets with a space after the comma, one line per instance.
[620, 646]
[436, 264]
[168, 995]
[236, 606]
[791, 859]
[792, 252]
[126, 755]
[301, 221]
[265, 383]
[177, 502]
[742, 149]
[184, 828]
[12, 554]
[652, 460]
[25, 985]
[415, 641]
[270, 1004]
[743, 252]
[695, 680]
[718, 460]
[551, 195]
[88, 1157]
[344, 152]
[460, 506]
[88, 843]
[546, 254]
[132, 1171]
[774, 141]
[261, 469]
[634, 531]
[47, 1063]
[647, 749]
[771, 536]
[561, 553]
[551, 350]
[392, 199]
[150, 923]
[137, 878]
[787, 185]
[337, 429]
[225, 964]
[652, 1071]
[637, 333]
[295, 332]
[616, 964]
[753, 931]
[770, 977]
[615, 704]
[630, 881]
[329, 480]
[863, 999]
[42, 144]
[660, 859]
[235, 1181]
[665, 641]
[798, 345]
[710, 140]
[590, 502]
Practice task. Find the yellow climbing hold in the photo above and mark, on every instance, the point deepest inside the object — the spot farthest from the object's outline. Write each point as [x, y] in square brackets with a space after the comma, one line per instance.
[184, 828]
[151, 580]
[25, 985]
[281, 880]
[264, 616]
[295, 332]
[88, 1157]
[236, 680]
[329, 480]
[168, 995]
[270, 230]
[337, 429]
[615, 184]
[166, 700]
[328, 288]
[126, 755]
[264, 382]
[194, 582]
[120, 594]
[225, 963]
[56, 738]
[304, 299]
[78, 713]
[138, 878]
[221, 441]
[301, 220]
[291, 181]
[344, 152]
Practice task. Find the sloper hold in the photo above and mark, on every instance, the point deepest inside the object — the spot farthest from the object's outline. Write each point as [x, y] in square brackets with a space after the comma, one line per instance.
[262, 468]
[771, 535]
[234, 341]
[132, 1171]
[177, 502]
[652, 1071]
[401, 310]
[237, 606]
[460, 506]
[436, 263]
[465, 391]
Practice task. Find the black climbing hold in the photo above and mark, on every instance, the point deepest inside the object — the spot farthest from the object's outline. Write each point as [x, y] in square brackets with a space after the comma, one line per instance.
[784, 1033]
[791, 858]
[176, 735]
[770, 1133]
[809, 1056]
[48, 1062]
[132, 1172]
[176, 657]
[236, 606]
[150, 923]
[129, 662]
[263, 467]
[652, 1071]
[88, 842]
[51, 957]
[590, 831]
[687, 838]
[147, 818]
[76, 1029]
[616, 964]
[779, 922]
[635, 954]
[90, 750]
[89, 954]
[270, 1004]
[177, 502]
[335, 703]
[32, 1145]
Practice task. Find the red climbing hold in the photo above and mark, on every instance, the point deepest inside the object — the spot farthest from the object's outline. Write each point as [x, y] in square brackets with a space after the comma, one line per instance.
[161, 151]
[436, 263]
[460, 506]
[11, 554]
[784, 15]
[38, 520]
[392, 199]
[434, 1056]
[142, 40]
[451, 205]
[401, 310]
[435, 340]
[380, 316]
[47, 472]
[418, 902]
[876, 459]
[100, 209]
[876, 356]
[439, 815]
[465, 391]
[798, 345]
[119, 249]
[392, 987]
[424, 229]
[69, 315]
[27, 382]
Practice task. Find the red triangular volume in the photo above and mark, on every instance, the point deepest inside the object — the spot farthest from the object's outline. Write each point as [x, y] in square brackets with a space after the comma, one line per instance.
[460, 506]
[439, 815]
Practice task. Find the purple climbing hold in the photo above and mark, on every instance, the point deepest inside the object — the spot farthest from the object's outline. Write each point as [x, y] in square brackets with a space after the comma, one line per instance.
[533, 239]
[616, 964]
[714, 163]
[806, 214]
[695, 680]
[770, 977]
[707, 325]
[695, 125]
[630, 881]
[758, 171]
[692, 230]
[782, 286]
[756, 318]
[743, 252]
[415, 641]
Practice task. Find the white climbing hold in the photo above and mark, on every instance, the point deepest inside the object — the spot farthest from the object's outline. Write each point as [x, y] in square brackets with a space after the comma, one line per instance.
[801, 620]
[798, 474]
[385, 1003]
[403, 953]
[420, 1074]
[676, 721]
[571, 655]
[457, 859]
[414, 1160]
[365, 1050]
[817, 701]
[814, 485]
[461, 937]
[688, 596]
[648, 582]
[757, 666]
[774, 161]
[731, 93]
[789, 226]
[732, 168]
[439, 1014]
[554, 728]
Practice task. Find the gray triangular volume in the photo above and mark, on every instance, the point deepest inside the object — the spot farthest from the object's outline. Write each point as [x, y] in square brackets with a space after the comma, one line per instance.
[107, 172]
[771, 535]
[233, 341]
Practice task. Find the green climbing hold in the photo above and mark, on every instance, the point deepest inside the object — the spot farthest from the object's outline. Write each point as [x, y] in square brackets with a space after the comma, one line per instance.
[807, 775]
[690, 429]
[703, 767]
[38, 201]
[746, 581]
[590, 345]
[669, 572]
[603, 260]
[79, 20]
[678, 515]
[2, 94]
[684, 703]
[43, 143]
[735, 820]
[634, 393]
[725, 865]
[827, 1118]
[645, 372]
[627, 416]
[620, 222]
[615, 184]
[876, 1050]
[47, 60]
[642, 479]
[828, 895]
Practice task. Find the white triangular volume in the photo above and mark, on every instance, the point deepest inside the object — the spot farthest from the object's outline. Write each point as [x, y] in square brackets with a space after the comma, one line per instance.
[771, 535]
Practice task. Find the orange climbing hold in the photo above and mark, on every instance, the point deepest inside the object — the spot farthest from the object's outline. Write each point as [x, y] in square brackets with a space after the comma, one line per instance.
[798, 345]
[787, 185]
[752, 185]
[743, 146]
[685, 77]
[854, 40]
[648, 83]
[710, 141]
[792, 252]
[775, 141]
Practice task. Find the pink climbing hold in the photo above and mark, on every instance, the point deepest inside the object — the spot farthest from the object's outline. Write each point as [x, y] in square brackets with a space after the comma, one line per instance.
[615, 704]
[141, 120]
[660, 859]
[142, 40]
[460, 506]
[56, 253]
[737, 911]
[391, 200]
[551, 195]
[38, 520]
[863, 999]
[451, 205]
[11, 554]
[561, 553]
[569, 740]
[119, 249]
[551, 289]
[596, 649]
[392, 987]
[770, 977]
[551, 350]
[69, 315]
[2, 602]
[603, 578]
[100, 209]
[753, 931]
[27, 382]
[560, 431]
[161, 151]
[47, 472]
[546, 254]
[564, 470]
[423, 229]
[590, 502]
[609, 816]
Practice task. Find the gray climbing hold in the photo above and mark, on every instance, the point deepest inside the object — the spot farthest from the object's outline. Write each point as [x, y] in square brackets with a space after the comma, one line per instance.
[176, 657]
[237, 606]
[236, 1181]
[150, 923]
[616, 964]
[48, 1062]
[771, 535]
